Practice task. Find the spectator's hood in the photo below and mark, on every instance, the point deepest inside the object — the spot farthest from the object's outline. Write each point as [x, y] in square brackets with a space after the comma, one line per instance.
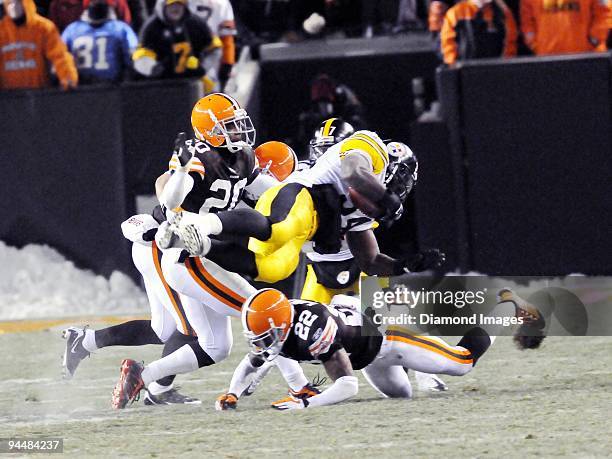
[30, 11]
[159, 7]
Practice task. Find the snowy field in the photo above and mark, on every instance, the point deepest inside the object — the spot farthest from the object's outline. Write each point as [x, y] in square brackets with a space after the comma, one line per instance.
[551, 402]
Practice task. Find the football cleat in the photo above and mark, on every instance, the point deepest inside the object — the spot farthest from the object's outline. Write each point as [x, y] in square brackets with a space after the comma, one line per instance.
[74, 352]
[129, 385]
[527, 311]
[197, 244]
[226, 402]
[429, 382]
[170, 397]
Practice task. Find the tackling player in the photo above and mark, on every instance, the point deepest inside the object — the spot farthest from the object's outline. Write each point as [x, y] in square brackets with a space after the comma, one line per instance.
[318, 205]
[344, 340]
[208, 174]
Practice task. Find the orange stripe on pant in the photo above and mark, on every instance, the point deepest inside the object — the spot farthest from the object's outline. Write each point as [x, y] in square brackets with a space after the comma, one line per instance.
[169, 291]
[206, 280]
[463, 357]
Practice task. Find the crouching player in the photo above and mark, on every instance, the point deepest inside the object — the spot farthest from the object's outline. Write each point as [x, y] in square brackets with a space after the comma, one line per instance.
[344, 340]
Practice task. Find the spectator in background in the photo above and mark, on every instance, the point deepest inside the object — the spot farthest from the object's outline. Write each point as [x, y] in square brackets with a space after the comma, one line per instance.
[28, 44]
[64, 12]
[474, 29]
[564, 26]
[102, 45]
[173, 43]
[328, 99]
[219, 16]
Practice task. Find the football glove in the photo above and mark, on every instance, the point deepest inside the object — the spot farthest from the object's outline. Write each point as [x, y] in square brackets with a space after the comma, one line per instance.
[392, 207]
[422, 261]
[181, 149]
[226, 402]
[290, 403]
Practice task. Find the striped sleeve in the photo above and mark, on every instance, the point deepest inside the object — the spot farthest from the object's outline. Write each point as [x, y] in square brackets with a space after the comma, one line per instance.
[322, 344]
[195, 165]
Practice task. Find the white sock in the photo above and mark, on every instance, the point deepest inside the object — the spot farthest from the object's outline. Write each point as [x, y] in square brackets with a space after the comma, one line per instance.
[292, 372]
[183, 360]
[155, 388]
[89, 341]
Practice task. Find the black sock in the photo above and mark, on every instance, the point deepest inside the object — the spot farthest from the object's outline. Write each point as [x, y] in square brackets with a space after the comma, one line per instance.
[477, 341]
[246, 222]
[176, 341]
[132, 333]
[233, 257]
[204, 359]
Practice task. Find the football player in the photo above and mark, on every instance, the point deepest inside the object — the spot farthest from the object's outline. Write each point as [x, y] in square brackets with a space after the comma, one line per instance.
[318, 205]
[343, 340]
[168, 324]
[210, 173]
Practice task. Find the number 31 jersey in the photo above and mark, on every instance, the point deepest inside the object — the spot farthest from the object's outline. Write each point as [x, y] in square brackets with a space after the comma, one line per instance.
[219, 177]
[318, 331]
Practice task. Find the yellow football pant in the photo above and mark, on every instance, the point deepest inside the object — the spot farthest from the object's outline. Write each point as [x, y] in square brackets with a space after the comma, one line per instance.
[291, 211]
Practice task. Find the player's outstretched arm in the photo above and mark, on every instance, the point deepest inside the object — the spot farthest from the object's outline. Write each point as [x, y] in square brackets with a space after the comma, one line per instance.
[364, 247]
[345, 385]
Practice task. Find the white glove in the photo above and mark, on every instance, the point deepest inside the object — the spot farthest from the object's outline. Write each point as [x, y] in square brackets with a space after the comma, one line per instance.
[314, 24]
[290, 403]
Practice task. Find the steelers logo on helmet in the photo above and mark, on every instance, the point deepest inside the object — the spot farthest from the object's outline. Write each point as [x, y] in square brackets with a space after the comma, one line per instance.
[267, 316]
[277, 159]
[218, 120]
[402, 173]
[329, 132]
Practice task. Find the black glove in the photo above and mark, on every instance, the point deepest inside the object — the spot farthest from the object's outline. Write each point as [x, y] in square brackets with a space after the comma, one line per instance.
[392, 207]
[422, 261]
[181, 149]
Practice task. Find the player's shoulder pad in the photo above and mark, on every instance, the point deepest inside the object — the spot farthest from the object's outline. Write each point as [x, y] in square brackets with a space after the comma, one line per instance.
[370, 145]
[323, 337]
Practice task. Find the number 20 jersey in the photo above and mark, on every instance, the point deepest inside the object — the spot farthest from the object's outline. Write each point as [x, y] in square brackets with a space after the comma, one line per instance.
[318, 331]
[219, 177]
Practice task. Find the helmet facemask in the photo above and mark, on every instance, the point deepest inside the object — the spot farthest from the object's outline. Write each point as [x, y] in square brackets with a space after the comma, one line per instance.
[234, 132]
[268, 344]
[317, 147]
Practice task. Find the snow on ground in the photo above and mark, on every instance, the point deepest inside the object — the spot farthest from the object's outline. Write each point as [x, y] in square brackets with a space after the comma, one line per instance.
[37, 282]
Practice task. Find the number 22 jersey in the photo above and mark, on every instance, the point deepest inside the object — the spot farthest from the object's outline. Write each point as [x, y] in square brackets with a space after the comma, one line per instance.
[318, 331]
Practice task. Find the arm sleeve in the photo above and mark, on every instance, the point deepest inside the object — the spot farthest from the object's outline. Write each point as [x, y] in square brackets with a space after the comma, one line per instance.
[229, 50]
[448, 37]
[243, 375]
[528, 23]
[57, 52]
[343, 388]
[356, 172]
[129, 44]
[510, 47]
[176, 190]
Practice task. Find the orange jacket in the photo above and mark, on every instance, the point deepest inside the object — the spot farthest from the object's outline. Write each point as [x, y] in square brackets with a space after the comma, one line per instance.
[469, 32]
[26, 50]
[564, 26]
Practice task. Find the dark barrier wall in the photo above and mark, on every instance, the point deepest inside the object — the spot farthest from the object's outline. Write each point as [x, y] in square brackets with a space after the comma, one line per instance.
[378, 70]
[75, 160]
[153, 113]
[64, 183]
[535, 143]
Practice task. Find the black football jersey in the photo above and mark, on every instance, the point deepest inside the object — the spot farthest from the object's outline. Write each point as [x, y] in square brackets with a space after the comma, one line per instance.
[318, 331]
[219, 177]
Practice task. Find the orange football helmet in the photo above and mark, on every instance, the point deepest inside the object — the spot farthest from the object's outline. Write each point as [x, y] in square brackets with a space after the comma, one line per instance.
[218, 120]
[277, 159]
[267, 316]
